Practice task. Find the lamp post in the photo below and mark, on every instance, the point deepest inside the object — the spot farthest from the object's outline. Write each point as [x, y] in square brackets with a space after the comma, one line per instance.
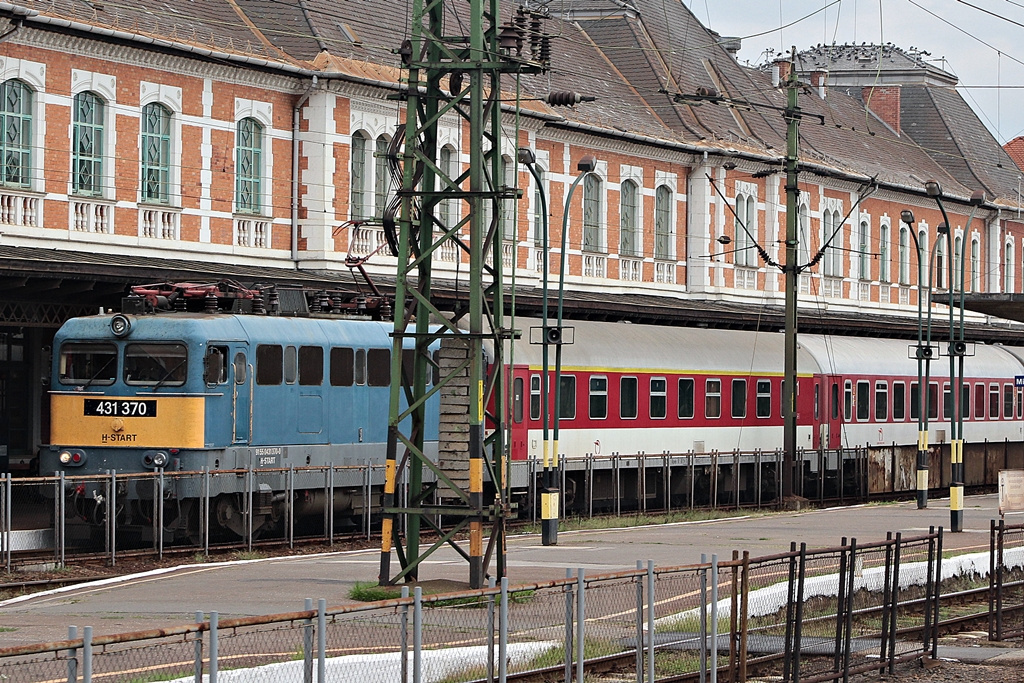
[552, 335]
[957, 349]
[924, 354]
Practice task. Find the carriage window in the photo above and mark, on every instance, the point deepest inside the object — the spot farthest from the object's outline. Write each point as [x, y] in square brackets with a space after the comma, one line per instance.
[713, 398]
[269, 358]
[915, 401]
[764, 398]
[628, 398]
[739, 398]
[685, 399]
[848, 400]
[567, 397]
[881, 401]
[341, 366]
[1020, 404]
[517, 400]
[933, 401]
[155, 364]
[598, 398]
[88, 363]
[215, 365]
[947, 401]
[659, 398]
[311, 366]
[534, 397]
[1008, 401]
[979, 401]
[241, 368]
[817, 402]
[360, 366]
[291, 365]
[378, 367]
[863, 400]
[899, 401]
[965, 400]
[993, 401]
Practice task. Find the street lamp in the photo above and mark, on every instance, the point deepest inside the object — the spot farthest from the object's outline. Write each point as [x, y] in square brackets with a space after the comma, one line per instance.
[957, 350]
[552, 335]
[924, 354]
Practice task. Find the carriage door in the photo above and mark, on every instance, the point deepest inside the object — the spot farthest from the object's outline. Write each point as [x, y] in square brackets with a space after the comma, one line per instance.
[241, 394]
[829, 426]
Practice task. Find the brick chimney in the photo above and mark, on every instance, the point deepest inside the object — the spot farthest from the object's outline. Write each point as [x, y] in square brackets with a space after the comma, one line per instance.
[780, 72]
[884, 101]
[819, 81]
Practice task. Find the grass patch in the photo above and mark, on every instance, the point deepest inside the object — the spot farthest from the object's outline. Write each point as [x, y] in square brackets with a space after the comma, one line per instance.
[630, 520]
[367, 591]
[247, 555]
[7, 629]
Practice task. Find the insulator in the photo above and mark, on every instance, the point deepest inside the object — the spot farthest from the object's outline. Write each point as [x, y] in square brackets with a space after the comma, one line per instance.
[336, 302]
[180, 303]
[257, 304]
[535, 26]
[325, 301]
[210, 302]
[520, 20]
[274, 301]
[314, 304]
[545, 50]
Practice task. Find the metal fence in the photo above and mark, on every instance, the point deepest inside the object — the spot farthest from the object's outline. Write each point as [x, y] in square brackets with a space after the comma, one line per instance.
[1006, 581]
[803, 615]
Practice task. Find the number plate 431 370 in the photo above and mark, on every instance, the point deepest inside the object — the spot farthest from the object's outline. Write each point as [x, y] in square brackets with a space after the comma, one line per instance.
[99, 407]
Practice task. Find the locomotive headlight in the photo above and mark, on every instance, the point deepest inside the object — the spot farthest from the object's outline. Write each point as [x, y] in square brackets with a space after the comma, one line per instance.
[65, 457]
[154, 459]
[71, 457]
[159, 459]
[120, 325]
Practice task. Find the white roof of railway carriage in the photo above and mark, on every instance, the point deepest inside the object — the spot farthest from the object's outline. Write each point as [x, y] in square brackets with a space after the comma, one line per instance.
[887, 357]
[625, 347]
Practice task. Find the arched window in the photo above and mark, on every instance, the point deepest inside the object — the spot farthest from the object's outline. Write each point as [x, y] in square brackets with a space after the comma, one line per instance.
[863, 251]
[357, 180]
[958, 262]
[904, 256]
[156, 154]
[804, 226]
[629, 219]
[1008, 266]
[883, 254]
[448, 210]
[16, 141]
[381, 176]
[249, 166]
[940, 263]
[507, 216]
[928, 268]
[87, 144]
[539, 193]
[746, 230]
[833, 259]
[592, 213]
[975, 265]
[663, 228]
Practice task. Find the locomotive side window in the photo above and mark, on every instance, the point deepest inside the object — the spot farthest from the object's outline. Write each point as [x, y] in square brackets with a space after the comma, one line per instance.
[598, 398]
[993, 401]
[534, 397]
[659, 398]
[155, 364]
[979, 401]
[435, 368]
[848, 400]
[360, 366]
[739, 398]
[269, 363]
[764, 398]
[291, 365]
[241, 368]
[567, 397]
[628, 398]
[408, 364]
[517, 400]
[311, 366]
[899, 401]
[88, 363]
[342, 359]
[881, 402]
[378, 367]
[685, 398]
[713, 398]
[215, 365]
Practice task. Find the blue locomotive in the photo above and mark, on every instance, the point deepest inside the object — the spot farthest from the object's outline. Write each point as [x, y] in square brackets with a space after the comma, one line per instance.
[191, 390]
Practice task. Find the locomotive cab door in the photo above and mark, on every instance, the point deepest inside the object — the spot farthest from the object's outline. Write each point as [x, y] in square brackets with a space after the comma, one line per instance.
[241, 395]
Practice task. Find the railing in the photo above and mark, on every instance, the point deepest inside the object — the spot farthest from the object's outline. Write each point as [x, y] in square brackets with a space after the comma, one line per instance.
[366, 239]
[832, 287]
[17, 209]
[665, 272]
[864, 291]
[802, 615]
[88, 216]
[159, 224]
[595, 265]
[631, 269]
[746, 278]
[252, 232]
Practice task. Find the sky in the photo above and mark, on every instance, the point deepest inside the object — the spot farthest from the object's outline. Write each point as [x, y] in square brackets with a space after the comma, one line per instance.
[985, 52]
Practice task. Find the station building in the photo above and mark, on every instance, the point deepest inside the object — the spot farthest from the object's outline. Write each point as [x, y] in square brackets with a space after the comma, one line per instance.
[250, 140]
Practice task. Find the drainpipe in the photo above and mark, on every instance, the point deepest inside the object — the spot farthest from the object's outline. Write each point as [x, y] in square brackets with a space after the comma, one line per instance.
[296, 115]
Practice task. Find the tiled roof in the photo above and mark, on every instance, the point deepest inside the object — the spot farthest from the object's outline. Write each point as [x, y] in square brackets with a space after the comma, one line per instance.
[872, 60]
[1015, 148]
